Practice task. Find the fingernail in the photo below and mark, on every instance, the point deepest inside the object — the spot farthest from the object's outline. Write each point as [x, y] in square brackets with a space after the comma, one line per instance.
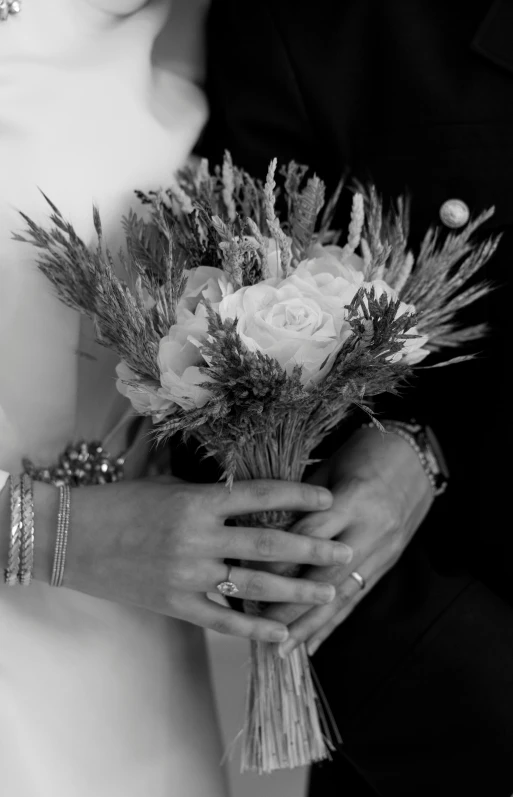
[279, 635]
[326, 594]
[310, 649]
[343, 553]
[287, 648]
[325, 497]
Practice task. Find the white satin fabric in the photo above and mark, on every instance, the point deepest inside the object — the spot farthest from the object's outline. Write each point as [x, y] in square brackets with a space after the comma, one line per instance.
[95, 698]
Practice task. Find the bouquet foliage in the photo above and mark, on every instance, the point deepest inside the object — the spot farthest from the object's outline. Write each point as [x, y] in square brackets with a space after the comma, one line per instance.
[243, 321]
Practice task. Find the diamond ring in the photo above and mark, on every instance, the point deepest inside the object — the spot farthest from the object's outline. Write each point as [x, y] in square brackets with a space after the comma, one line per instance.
[227, 587]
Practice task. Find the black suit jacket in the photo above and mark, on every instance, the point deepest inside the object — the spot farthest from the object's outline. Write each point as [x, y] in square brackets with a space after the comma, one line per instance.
[416, 95]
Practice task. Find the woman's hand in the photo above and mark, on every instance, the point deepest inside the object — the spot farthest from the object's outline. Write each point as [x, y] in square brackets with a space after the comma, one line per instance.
[161, 545]
[380, 497]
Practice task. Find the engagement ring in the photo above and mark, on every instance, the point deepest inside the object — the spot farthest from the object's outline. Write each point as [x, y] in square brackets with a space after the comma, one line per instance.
[227, 588]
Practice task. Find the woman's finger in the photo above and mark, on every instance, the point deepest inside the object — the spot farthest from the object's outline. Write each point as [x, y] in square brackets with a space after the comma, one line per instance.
[287, 613]
[311, 621]
[360, 542]
[271, 545]
[199, 610]
[261, 586]
[256, 495]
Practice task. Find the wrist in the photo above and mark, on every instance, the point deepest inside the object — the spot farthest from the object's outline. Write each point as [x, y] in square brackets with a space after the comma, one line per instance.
[394, 463]
[383, 453]
[425, 445]
[370, 454]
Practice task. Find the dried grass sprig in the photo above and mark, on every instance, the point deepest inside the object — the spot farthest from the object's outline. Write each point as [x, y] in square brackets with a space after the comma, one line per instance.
[272, 220]
[85, 280]
[305, 208]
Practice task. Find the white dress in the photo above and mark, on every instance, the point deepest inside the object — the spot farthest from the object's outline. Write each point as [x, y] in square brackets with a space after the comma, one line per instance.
[96, 699]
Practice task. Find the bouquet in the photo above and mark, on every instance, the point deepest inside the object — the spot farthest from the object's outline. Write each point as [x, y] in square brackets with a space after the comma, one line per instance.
[243, 321]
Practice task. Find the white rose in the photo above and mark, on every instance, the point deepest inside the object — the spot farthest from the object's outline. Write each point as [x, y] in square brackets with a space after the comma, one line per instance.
[284, 323]
[179, 360]
[333, 256]
[413, 343]
[329, 280]
[204, 282]
[144, 400]
[327, 259]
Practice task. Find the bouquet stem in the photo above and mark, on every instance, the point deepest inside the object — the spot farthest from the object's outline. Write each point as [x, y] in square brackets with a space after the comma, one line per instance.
[286, 723]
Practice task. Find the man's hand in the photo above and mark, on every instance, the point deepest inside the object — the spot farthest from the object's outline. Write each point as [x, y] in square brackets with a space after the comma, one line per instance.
[381, 495]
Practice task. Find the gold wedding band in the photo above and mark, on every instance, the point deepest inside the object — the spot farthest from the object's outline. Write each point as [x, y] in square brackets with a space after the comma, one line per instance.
[227, 588]
[359, 579]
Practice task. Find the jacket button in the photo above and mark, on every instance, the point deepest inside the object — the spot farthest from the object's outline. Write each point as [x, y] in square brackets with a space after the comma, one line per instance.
[454, 213]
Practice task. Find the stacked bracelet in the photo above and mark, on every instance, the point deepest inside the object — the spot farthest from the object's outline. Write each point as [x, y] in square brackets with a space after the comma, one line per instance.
[27, 531]
[81, 464]
[20, 561]
[13, 561]
[61, 542]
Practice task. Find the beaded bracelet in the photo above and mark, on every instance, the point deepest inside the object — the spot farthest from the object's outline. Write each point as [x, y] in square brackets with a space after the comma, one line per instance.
[61, 542]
